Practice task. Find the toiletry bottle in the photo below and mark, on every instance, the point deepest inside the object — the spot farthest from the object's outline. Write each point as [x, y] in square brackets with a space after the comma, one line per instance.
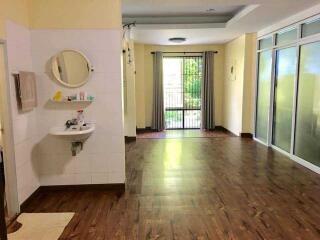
[80, 117]
[81, 96]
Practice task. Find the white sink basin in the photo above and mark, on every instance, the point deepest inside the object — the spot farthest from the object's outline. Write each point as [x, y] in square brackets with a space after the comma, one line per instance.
[74, 133]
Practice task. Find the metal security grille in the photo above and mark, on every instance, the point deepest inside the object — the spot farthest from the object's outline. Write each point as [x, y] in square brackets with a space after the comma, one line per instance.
[182, 91]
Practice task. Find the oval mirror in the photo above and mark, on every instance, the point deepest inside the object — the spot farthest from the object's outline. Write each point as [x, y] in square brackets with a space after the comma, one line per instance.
[71, 68]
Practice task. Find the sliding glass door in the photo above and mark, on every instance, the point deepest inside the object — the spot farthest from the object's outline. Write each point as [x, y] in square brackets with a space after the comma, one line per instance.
[307, 136]
[182, 91]
[289, 77]
[285, 72]
[263, 95]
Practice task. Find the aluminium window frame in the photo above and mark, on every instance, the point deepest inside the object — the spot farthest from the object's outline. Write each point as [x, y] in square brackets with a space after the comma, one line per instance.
[300, 41]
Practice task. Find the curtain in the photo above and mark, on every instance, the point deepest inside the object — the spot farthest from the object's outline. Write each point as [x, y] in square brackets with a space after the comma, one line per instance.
[158, 122]
[207, 90]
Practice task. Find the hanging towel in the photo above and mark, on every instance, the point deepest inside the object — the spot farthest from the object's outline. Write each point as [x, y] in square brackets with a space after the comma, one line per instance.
[27, 90]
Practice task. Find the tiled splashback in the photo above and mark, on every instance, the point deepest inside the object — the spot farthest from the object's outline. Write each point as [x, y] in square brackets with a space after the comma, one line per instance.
[42, 159]
[102, 159]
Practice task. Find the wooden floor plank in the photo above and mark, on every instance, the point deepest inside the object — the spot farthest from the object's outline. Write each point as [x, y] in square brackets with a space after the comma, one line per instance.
[196, 188]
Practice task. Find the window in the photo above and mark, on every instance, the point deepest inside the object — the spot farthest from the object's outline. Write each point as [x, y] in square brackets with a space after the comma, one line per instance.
[311, 28]
[283, 97]
[286, 36]
[265, 43]
[263, 101]
[182, 91]
[295, 99]
[307, 144]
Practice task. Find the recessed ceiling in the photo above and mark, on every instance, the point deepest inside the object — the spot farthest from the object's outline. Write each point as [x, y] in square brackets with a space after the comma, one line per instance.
[171, 8]
[241, 16]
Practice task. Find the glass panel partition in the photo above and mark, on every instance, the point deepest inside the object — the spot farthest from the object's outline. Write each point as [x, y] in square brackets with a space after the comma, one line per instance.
[283, 99]
[307, 136]
[286, 36]
[265, 43]
[263, 95]
[311, 28]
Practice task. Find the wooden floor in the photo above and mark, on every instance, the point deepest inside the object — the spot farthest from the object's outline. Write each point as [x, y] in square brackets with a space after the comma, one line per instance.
[197, 188]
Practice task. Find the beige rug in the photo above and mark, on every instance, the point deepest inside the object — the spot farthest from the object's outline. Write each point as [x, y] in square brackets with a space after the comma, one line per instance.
[41, 226]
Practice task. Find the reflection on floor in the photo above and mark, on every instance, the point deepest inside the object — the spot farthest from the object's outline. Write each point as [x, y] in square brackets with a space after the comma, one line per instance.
[196, 188]
[187, 133]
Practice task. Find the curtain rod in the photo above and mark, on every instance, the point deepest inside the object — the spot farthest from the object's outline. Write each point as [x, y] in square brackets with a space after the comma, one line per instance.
[185, 52]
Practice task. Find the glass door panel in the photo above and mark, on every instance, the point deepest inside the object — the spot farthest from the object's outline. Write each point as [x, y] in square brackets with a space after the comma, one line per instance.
[283, 98]
[307, 136]
[182, 91]
[263, 95]
[173, 92]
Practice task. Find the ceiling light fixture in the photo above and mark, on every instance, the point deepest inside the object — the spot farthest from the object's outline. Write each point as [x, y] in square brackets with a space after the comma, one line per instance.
[210, 10]
[177, 39]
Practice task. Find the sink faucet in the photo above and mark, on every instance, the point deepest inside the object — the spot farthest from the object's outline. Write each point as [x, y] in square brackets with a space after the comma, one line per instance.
[76, 121]
[71, 122]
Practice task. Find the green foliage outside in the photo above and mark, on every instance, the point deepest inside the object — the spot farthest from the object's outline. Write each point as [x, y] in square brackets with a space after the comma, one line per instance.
[173, 115]
[192, 73]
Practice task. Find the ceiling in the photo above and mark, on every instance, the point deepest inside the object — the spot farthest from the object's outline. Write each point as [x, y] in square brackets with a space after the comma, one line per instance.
[167, 8]
[228, 19]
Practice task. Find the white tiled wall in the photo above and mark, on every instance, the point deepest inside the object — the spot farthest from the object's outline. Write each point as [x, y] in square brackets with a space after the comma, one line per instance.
[102, 159]
[42, 159]
[24, 124]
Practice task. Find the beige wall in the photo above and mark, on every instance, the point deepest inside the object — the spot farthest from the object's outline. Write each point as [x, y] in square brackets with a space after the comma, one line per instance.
[144, 78]
[140, 87]
[14, 10]
[249, 83]
[233, 85]
[79, 14]
[129, 79]
[238, 100]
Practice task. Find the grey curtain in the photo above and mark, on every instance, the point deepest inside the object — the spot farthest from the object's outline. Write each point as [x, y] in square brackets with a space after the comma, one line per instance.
[158, 122]
[207, 93]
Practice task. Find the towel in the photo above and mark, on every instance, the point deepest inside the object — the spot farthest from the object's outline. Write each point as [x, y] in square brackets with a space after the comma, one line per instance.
[27, 91]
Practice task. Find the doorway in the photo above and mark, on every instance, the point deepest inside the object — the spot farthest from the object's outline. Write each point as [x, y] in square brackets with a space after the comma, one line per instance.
[182, 77]
[3, 203]
[9, 205]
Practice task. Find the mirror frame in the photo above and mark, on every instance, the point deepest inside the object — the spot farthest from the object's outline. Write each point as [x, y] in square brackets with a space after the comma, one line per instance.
[66, 84]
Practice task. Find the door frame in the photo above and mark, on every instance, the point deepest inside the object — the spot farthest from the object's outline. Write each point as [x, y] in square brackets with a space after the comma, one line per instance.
[300, 41]
[183, 109]
[11, 188]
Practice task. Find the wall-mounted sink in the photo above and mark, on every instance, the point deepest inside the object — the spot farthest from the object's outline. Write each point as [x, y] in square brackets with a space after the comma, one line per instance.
[74, 133]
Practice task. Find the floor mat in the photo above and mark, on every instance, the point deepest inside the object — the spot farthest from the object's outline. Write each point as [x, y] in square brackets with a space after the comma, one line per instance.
[41, 226]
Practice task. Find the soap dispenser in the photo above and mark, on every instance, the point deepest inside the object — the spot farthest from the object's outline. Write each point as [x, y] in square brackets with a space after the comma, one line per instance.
[80, 117]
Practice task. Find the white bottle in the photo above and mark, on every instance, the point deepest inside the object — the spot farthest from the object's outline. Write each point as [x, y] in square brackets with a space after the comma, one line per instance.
[80, 117]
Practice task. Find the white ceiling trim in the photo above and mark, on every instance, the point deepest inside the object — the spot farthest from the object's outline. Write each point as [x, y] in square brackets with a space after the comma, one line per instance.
[315, 10]
[242, 14]
[259, 15]
[179, 26]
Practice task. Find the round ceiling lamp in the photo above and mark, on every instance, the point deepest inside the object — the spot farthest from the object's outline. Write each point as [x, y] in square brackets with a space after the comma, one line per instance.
[177, 39]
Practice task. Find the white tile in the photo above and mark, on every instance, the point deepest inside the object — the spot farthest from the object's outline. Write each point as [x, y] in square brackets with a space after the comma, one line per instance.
[99, 163]
[57, 179]
[83, 164]
[83, 178]
[104, 151]
[116, 162]
[99, 178]
[116, 177]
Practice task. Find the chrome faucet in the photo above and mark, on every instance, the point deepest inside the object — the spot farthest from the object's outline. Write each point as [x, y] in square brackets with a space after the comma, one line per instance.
[71, 122]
